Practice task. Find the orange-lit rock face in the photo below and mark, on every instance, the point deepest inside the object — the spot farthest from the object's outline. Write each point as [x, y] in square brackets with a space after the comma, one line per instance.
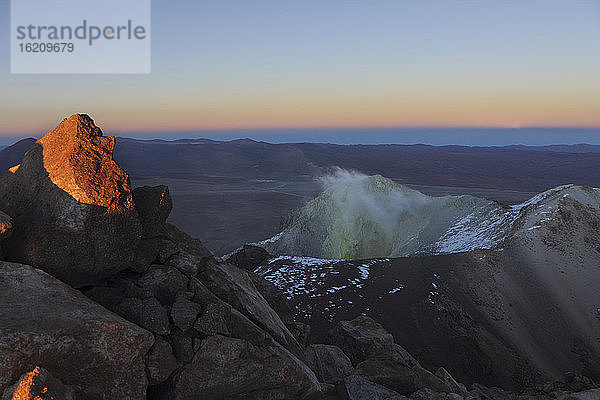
[79, 160]
[71, 205]
[5, 225]
[40, 385]
[23, 391]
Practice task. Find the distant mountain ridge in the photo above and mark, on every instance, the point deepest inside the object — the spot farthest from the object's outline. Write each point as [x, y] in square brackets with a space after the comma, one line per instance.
[13, 154]
[520, 168]
[560, 148]
[535, 168]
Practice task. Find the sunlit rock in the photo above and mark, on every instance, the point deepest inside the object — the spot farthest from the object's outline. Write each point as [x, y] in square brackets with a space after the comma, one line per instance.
[6, 225]
[38, 384]
[72, 205]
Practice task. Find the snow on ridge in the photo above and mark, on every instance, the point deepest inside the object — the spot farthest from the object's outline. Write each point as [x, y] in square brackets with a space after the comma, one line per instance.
[535, 200]
[477, 230]
[486, 230]
[272, 239]
[305, 261]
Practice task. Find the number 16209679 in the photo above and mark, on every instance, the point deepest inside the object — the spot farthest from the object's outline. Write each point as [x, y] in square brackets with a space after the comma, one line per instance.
[46, 47]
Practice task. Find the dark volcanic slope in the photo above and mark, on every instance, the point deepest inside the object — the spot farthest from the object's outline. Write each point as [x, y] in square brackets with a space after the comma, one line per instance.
[428, 303]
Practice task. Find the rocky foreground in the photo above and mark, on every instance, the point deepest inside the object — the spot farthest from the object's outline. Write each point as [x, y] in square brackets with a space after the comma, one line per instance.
[100, 298]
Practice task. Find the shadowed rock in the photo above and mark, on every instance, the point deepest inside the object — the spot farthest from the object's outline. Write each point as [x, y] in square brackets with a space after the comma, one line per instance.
[6, 225]
[356, 387]
[375, 356]
[329, 363]
[226, 368]
[154, 205]
[161, 362]
[215, 332]
[72, 205]
[249, 257]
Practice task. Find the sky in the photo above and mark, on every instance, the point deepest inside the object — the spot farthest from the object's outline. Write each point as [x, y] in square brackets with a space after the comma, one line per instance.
[273, 65]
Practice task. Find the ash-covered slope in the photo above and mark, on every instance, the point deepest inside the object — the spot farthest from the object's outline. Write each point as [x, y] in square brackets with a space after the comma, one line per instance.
[524, 311]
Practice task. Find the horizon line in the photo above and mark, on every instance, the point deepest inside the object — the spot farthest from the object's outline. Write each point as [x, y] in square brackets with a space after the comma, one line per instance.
[324, 128]
[331, 143]
[334, 128]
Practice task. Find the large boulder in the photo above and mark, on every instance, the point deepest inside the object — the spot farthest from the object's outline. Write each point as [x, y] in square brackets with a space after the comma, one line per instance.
[275, 297]
[376, 357]
[329, 363]
[394, 371]
[72, 206]
[361, 338]
[45, 323]
[592, 394]
[154, 204]
[234, 286]
[357, 387]
[229, 368]
[161, 362]
[249, 257]
[449, 380]
[428, 394]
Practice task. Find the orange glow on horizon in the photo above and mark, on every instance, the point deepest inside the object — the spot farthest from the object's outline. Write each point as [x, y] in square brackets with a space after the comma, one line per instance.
[475, 111]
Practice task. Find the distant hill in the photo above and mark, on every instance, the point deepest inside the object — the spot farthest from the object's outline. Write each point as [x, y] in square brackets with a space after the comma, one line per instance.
[513, 167]
[12, 155]
[572, 148]
[531, 168]
[198, 158]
